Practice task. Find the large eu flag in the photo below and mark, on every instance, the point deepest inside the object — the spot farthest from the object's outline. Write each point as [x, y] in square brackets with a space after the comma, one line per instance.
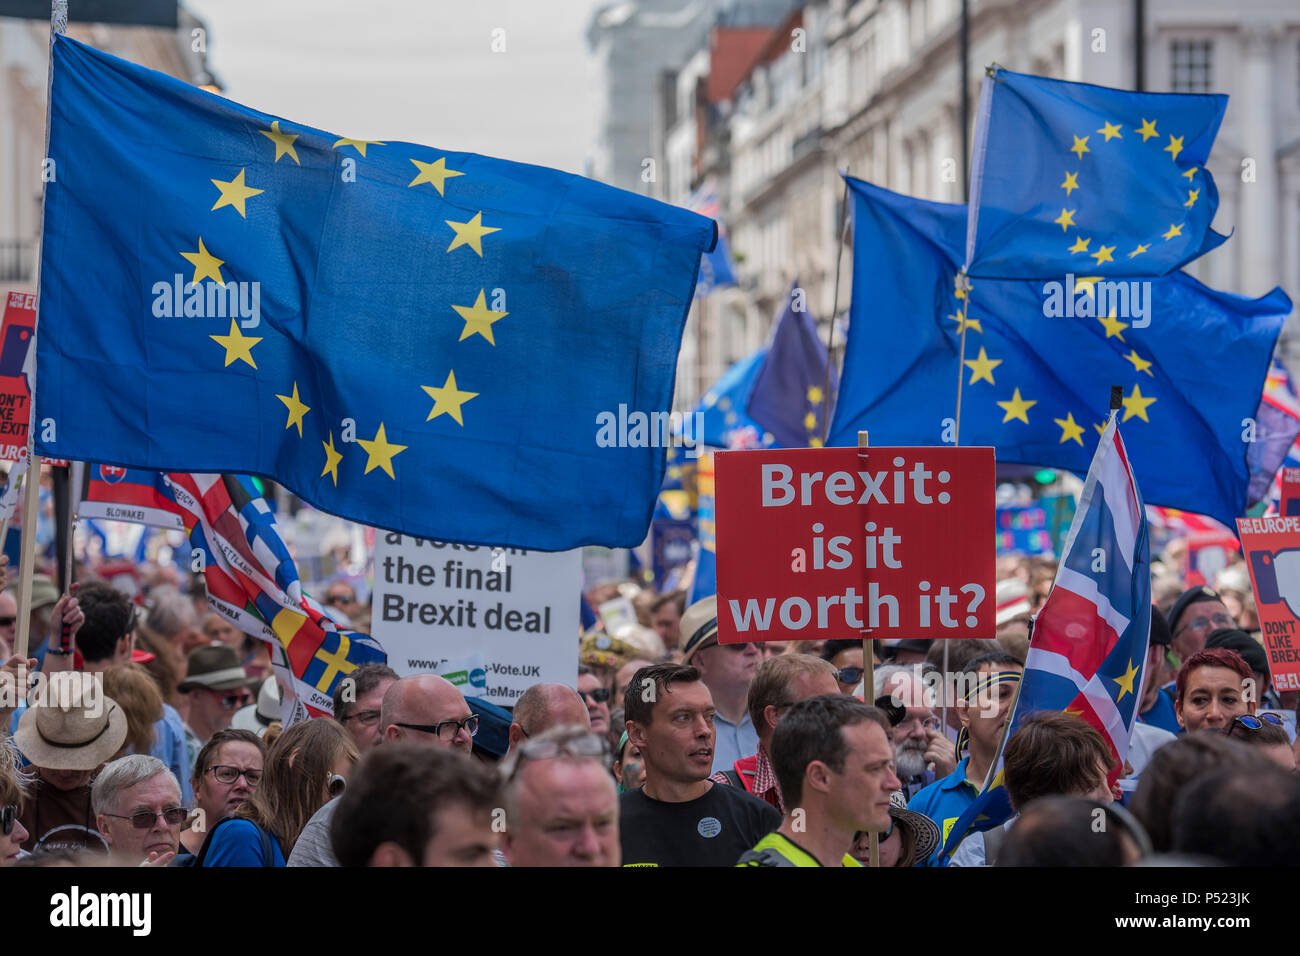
[417, 339]
[1041, 357]
[789, 398]
[1070, 177]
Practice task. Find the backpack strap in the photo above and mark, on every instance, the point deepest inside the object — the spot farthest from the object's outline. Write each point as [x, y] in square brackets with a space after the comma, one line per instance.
[733, 779]
[268, 855]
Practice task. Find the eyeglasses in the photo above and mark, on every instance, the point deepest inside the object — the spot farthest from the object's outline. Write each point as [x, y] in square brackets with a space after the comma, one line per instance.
[226, 774]
[469, 723]
[336, 599]
[851, 675]
[1201, 623]
[144, 819]
[929, 723]
[368, 718]
[599, 695]
[7, 621]
[1256, 721]
[234, 701]
[8, 816]
[579, 745]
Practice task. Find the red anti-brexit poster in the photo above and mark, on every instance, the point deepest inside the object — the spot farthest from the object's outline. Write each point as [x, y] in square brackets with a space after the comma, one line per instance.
[822, 543]
[16, 335]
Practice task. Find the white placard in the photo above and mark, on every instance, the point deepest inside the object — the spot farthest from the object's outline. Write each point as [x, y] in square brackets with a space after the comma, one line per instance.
[437, 603]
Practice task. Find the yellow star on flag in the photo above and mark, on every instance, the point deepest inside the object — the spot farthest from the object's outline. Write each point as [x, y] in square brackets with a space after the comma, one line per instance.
[332, 459]
[1113, 326]
[1110, 131]
[470, 233]
[1139, 250]
[237, 345]
[964, 323]
[1016, 408]
[478, 319]
[1190, 173]
[206, 265]
[1101, 429]
[1139, 363]
[234, 193]
[296, 409]
[1175, 146]
[1070, 429]
[1071, 183]
[358, 144]
[1080, 244]
[1136, 404]
[815, 394]
[436, 174]
[1126, 682]
[1065, 219]
[815, 442]
[1148, 129]
[283, 142]
[1192, 196]
[981, 368]
[380, 452]
[1080, 146]
[448, 399]
[1085, 284]
[1103, 254]
[810, 421]
[1176, 230]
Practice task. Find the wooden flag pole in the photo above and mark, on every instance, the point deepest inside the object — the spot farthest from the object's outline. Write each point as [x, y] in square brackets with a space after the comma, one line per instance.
[869, 688]
[32, 492]
[835, 309]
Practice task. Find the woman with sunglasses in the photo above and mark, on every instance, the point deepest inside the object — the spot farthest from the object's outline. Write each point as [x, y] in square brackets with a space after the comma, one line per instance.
[305, 768]
[226, 775]
[1267, 732]
[13, 786]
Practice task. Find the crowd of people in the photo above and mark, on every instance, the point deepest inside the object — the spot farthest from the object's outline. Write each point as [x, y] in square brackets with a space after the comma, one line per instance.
[163, 746]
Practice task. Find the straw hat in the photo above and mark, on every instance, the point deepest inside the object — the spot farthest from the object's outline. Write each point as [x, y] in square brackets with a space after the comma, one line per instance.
[66, 737]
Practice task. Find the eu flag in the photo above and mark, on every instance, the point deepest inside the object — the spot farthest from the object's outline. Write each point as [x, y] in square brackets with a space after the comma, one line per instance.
[1070, 177]
[789, 396]
[431, 342]
[724, 420]
[1041, 357]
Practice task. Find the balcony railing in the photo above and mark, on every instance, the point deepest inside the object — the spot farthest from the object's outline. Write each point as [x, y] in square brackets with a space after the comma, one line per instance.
[17, 260]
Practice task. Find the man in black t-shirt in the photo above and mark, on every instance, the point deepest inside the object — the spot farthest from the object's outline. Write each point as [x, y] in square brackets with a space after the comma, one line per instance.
[680, 817]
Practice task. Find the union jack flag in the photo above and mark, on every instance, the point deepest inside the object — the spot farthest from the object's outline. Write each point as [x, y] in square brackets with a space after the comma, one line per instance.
[1089, 641]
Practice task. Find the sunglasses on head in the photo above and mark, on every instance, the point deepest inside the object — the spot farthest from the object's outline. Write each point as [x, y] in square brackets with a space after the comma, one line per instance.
[1256, 721]
[144, 819]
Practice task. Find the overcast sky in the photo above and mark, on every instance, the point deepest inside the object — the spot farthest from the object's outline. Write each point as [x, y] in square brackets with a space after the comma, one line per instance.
[421, 71]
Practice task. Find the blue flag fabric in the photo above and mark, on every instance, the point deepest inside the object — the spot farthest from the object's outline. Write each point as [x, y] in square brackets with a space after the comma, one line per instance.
[789, 396]
[1041, 357]
[415, 339]
[725, 422]
[1070, 177]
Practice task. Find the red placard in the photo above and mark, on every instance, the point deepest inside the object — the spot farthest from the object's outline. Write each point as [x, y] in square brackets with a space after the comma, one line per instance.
[1290, 503]
[1272, 549]
[821, 543]
[15, 339]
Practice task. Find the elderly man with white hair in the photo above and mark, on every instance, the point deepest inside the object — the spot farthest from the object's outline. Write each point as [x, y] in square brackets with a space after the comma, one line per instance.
[922, 753]
[138, 810]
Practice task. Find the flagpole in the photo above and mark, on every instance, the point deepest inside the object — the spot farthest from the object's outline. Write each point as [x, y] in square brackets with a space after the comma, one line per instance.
[868, 685]
[835, 309]
[27, 557]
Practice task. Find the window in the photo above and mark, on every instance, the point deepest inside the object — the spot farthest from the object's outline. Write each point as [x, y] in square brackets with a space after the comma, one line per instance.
[1190, 66]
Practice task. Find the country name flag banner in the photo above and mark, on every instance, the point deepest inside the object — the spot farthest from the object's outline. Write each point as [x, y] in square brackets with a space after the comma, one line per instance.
[129, 494]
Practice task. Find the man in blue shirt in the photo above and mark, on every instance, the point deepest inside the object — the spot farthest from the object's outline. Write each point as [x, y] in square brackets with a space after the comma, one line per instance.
[983, 709]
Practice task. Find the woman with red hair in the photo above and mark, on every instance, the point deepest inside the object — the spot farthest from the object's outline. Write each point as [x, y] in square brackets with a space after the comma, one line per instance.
[1214, 687]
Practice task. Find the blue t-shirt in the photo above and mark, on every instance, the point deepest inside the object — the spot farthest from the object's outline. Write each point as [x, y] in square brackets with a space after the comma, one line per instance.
[239, 843]
[944, 801]
[1162, 714]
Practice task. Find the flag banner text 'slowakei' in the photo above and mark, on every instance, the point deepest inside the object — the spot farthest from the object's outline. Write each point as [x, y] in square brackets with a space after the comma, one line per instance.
[421, 340]
[1071, 177]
